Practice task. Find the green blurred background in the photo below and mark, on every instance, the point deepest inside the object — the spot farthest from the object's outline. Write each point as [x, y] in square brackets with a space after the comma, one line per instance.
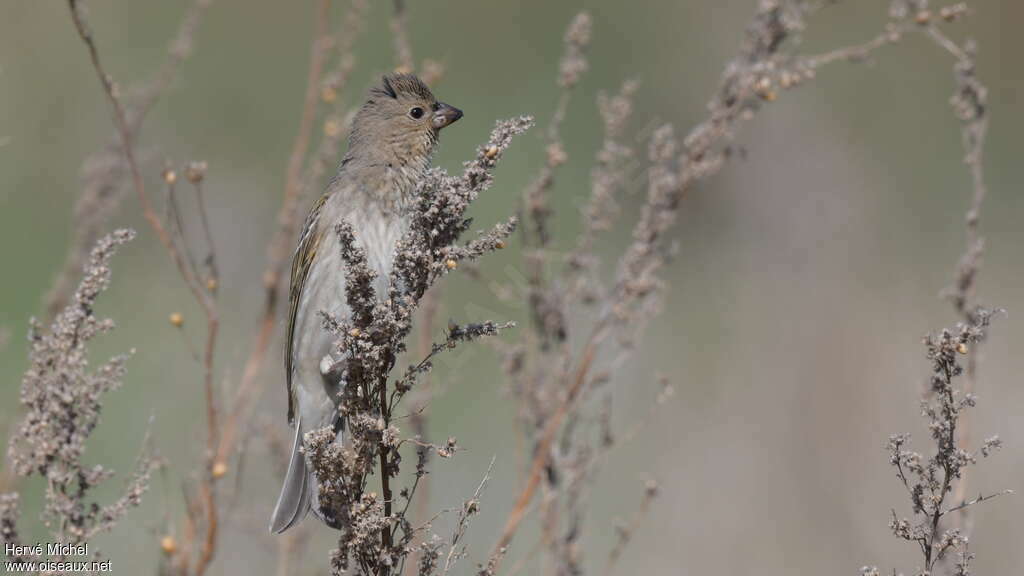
[805, 277]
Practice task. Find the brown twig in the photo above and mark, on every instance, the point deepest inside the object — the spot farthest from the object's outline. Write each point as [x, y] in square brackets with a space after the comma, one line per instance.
[103, 170]
[625, 532]
[542, 456]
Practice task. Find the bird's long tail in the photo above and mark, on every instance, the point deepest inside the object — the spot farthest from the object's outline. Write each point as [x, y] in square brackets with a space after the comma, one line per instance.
[294, 502]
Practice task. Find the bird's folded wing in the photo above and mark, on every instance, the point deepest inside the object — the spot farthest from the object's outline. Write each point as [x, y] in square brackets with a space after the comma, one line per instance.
[305, 253]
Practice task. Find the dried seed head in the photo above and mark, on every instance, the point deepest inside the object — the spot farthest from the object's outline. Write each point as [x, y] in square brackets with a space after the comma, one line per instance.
[923, 17]
[961, 348]
[211, 284]
[355, 332]
[491, 152]
[328, 94]
[176, 319]
[170, 176]
[451, 264]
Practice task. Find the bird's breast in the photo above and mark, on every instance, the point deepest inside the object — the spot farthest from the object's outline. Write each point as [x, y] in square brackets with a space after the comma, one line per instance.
[379, 233]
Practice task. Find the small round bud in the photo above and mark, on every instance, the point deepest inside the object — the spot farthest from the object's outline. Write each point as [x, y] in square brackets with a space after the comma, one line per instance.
[556, 155]
[170, 176]
[219, 470]
[651, 488]
[332, 128]
[176, 319]
[168, 545]
[195, 171]
[491, 152]
[951, 13]
[923, 17]
[451, 264]
[499, 244]
[961, 348]
[328, 94]
[211, 284]
[355, 332]
[764, 89]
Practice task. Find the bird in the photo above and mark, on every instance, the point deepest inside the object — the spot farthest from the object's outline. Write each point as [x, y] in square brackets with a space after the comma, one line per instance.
[391, 143]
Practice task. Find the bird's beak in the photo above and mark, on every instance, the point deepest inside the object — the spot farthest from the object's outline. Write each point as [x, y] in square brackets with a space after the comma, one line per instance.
[445, 115]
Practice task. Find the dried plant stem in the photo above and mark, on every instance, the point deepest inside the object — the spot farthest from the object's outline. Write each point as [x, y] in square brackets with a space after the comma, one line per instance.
[970, 103]
[400, 36]
[335, 82]
[201, 295]
[420, 403]
[103, 170]
[469, 508]
[127, 144]
[279, 249]
[385, 470]
[543, 455]
[766, 61]
[625, 533]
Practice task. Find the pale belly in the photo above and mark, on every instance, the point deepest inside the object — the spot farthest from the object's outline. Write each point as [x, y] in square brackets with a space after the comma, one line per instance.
[324, 291]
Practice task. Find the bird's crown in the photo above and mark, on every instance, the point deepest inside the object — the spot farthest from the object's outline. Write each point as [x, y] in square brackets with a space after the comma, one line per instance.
[402, 85]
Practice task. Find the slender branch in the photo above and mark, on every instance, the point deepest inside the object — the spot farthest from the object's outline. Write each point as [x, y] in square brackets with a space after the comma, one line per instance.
[103, 169]
[542, 457]
[978, 500]
[400, 36]
[385, 472]
[202, 296]
[278, 250]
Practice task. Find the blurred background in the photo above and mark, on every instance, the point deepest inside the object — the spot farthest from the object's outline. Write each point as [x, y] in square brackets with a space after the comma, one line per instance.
[806, 274]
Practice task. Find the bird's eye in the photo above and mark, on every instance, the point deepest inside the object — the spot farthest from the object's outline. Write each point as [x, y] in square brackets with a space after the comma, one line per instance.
[416, 113]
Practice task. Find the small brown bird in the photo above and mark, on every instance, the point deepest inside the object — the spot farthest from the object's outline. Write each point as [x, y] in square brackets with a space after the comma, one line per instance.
[393, 137]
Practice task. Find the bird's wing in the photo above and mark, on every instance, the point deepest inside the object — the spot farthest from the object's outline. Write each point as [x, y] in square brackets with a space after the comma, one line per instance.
[305, 253]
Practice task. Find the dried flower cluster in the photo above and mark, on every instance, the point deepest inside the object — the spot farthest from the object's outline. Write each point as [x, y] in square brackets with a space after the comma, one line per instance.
[554, 371]
[62, 396]
[375, 535]
[930, 480]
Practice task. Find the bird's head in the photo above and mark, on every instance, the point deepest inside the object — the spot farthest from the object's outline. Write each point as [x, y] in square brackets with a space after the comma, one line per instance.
[400, 122]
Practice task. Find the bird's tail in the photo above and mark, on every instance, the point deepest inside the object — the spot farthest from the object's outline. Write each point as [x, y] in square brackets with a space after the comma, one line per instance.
[299, 484]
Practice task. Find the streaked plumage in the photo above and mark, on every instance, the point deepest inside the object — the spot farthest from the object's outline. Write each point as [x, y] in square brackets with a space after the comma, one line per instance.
[393, 138]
